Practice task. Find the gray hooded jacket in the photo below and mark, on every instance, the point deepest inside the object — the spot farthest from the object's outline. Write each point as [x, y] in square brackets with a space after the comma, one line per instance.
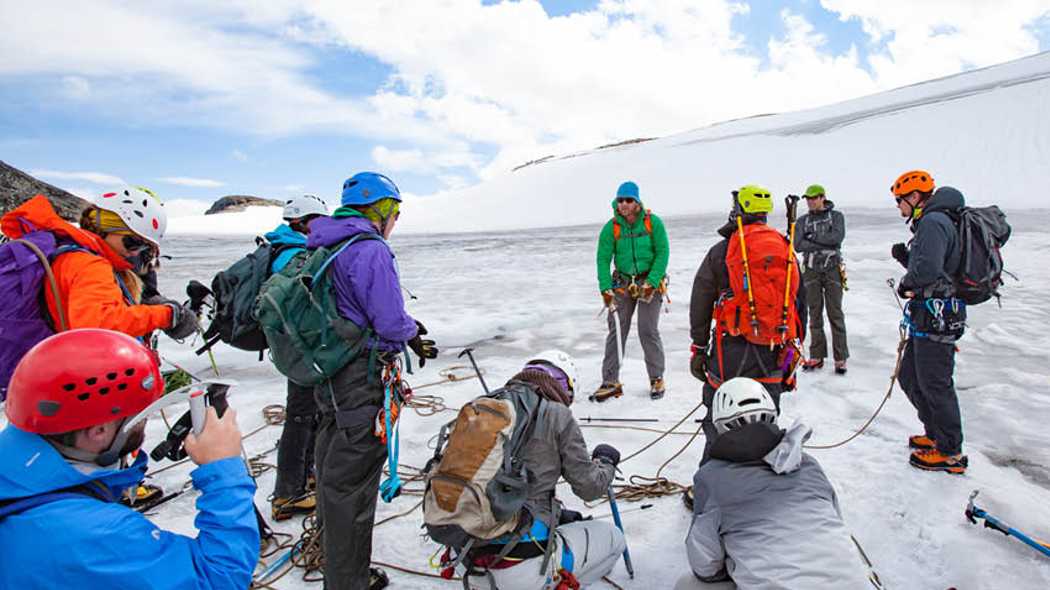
[934, 253]
[826, 230]
[773, 524]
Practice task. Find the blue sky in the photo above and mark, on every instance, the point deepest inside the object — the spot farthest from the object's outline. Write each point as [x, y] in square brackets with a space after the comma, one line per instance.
[204, 101]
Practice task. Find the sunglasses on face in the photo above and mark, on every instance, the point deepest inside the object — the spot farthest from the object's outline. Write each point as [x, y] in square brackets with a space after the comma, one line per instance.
[134, 244]
[623, 200]
[811, 197]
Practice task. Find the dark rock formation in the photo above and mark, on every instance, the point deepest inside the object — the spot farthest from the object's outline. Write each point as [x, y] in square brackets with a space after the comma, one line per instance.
[17, 187]
[240, 203]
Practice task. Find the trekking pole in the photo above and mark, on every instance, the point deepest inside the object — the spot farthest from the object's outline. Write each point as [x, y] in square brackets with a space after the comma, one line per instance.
[619, 524]
[747, 267]
[470, 354]
[589, 419]
[893, 287]
[973, 512]
[619, 337]
[792, 210]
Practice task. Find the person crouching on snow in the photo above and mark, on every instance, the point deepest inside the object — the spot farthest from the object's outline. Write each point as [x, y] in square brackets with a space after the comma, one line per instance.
[578, 552]
[64, 464]
[764, 513]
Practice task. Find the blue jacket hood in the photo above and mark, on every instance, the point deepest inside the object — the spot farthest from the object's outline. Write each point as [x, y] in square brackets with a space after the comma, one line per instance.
[285, 235]
[30, 466]
[328, 231]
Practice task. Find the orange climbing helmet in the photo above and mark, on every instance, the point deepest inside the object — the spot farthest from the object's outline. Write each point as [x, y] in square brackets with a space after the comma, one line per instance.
[914, 180]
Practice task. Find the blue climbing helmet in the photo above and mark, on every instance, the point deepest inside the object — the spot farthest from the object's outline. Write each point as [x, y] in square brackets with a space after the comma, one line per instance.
[365, 188]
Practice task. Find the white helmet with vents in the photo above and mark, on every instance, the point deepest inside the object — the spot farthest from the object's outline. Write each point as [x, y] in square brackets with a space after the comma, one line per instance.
[739, 402]
[139, 209]
[297, 207]
[561, 361]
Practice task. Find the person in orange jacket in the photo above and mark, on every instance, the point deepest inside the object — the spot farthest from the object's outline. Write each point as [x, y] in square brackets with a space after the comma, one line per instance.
[97, 285]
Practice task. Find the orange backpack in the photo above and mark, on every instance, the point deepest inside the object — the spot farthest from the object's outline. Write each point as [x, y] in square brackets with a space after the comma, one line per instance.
[647, 221]
[767, 257]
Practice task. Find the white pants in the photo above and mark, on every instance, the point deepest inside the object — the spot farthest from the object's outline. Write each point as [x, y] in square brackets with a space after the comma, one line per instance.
[596, 547]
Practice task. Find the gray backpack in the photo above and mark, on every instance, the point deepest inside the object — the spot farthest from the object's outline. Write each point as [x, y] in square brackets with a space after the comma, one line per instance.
[983, 231]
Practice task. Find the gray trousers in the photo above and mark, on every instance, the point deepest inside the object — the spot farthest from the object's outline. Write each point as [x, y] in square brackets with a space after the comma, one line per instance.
[295, 451]
[926, 376]
[648, 334]
[349, 464]
[824, 288]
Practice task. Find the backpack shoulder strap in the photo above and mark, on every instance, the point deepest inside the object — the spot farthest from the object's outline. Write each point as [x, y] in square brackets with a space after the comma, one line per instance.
[648, 221]
[19, 505]
[617, 230]
[344, 246]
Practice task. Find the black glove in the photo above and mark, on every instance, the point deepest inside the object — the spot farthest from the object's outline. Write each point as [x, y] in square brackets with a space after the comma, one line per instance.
[424, 349]
[900, 253]
[606, 454]
[567, 516]
[183, 321]
[698, 361]
[904, 292]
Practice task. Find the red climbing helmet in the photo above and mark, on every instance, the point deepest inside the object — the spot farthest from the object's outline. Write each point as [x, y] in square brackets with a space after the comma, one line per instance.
[80, 378]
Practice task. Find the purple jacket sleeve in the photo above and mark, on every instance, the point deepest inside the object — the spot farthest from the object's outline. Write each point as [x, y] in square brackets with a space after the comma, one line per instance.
[378, 288]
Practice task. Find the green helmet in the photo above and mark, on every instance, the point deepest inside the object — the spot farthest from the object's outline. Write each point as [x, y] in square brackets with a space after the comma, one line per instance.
[814, 190]
[754, 199]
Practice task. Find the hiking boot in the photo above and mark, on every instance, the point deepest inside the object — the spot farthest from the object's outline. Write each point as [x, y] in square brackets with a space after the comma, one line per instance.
[144, 496]
[812, 364]
[606, 391]
[840, 367]
[934, 460]
[377, 579]
[657, 388]
[285, 508]
[921, 441]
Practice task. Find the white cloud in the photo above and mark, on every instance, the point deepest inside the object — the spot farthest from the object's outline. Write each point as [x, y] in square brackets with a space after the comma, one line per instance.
[100, 178]
[239, 156]
[503, 79]
[192, 182]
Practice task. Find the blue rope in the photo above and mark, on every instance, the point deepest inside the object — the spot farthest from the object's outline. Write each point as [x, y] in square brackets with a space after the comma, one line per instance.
[391, 488]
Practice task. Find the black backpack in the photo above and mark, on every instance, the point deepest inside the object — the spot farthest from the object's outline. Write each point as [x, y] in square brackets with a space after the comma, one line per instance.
[235, 291]
[983, 231]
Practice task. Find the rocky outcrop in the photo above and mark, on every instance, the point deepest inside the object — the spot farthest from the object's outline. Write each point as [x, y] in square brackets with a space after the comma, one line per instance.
[17, 187]
[240, 203]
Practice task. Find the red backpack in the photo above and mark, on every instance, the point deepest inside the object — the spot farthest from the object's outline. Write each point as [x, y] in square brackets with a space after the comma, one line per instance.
[767, 263]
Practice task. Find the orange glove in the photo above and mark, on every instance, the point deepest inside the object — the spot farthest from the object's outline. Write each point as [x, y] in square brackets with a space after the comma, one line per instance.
[648, 291]
[609, 299]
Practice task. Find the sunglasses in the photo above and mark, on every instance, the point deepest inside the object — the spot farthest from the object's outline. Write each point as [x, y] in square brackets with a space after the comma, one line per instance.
[134, 244]
[809, 197]
[623, 200]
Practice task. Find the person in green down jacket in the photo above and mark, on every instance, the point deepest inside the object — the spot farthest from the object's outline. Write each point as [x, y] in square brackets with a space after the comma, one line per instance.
[634, 241]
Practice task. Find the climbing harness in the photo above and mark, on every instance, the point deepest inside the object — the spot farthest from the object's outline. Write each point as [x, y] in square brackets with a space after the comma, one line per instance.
[387, 428]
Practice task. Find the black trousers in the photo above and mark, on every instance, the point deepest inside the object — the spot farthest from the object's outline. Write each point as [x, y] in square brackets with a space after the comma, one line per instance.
[349, 465]
[295, 451]
[927, 378]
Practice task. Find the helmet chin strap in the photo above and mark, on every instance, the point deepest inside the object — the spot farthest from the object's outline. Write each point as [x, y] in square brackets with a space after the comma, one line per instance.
[106, 458]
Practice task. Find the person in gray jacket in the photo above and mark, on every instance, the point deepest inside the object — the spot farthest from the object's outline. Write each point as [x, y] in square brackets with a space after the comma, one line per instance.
[764, 513]
[584, 550]
[818, 237]
[935, 319]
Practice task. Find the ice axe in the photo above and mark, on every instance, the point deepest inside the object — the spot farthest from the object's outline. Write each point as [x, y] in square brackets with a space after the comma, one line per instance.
[470, 354]
[619, 524]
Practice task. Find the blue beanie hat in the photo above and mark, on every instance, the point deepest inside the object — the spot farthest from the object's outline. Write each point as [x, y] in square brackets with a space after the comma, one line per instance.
[628, 189]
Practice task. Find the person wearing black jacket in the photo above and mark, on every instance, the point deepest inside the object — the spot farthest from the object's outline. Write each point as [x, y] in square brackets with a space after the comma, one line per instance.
[934, 316]
[739, 357]
[818, 237]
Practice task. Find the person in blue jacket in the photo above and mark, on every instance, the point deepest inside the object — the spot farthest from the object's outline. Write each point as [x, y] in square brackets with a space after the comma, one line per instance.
[293, 487]
[63, 466]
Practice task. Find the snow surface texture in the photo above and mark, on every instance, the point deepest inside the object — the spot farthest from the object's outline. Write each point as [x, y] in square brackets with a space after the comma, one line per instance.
[986, 131]
[513, 294]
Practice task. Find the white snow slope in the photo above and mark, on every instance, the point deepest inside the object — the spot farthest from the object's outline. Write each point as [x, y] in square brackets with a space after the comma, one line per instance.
[513, 295]
[986, 131]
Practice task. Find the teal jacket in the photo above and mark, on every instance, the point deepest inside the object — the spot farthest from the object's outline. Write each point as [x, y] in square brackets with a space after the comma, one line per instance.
[635, 252]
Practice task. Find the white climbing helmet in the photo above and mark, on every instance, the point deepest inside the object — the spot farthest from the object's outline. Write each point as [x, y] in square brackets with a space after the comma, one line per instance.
[297, 207]
[739, 402]
[139, 209]
[563, 362]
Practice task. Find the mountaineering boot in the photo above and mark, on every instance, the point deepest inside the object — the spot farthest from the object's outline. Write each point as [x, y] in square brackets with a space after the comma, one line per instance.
[377, 579]
[657, 388]
[921, 441]
[934, 460]
[840, 367]
[285, 508]
[606, 391]
[813, 364]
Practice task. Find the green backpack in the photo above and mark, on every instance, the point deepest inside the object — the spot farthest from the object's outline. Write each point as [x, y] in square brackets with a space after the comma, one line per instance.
[297, 309]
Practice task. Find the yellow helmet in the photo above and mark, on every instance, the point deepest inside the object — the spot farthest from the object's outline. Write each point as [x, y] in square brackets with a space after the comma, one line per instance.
[754, 199]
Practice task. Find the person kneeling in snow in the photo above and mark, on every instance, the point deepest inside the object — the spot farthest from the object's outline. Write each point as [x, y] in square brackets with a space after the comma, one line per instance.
[62, 469]
[580, 551]
[765, 514]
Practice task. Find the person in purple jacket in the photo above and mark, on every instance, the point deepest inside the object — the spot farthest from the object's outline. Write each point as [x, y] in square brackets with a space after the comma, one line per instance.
[349, 455]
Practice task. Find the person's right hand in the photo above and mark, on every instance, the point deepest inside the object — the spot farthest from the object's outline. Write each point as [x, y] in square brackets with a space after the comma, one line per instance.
[698, 361]
[900, 253]
[220, 438]
[607, 454]
[609, 299]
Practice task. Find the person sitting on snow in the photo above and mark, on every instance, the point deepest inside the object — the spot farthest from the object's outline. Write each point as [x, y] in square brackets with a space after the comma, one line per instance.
[764, 513]
[584, 550]
[63, 467]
